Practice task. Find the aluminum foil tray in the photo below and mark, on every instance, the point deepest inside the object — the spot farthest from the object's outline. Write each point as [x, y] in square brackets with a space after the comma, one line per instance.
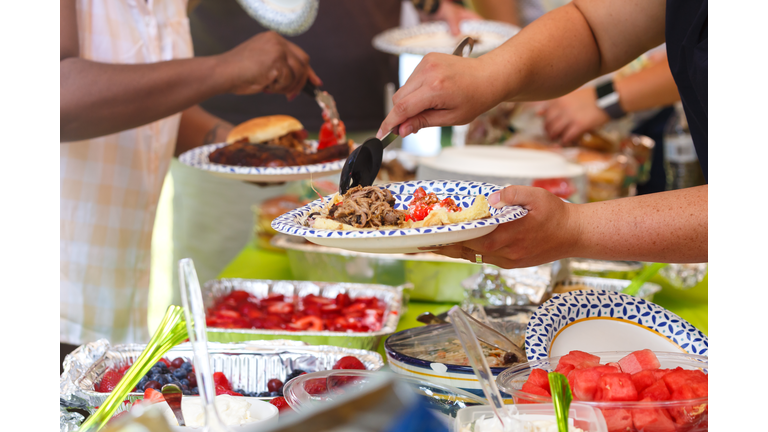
[392, 296]
[434, 277]
[647, 290]
[248, 366]
[604, 269]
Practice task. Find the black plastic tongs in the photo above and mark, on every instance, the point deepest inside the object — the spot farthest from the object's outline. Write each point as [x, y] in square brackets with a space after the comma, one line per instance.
[363, 164]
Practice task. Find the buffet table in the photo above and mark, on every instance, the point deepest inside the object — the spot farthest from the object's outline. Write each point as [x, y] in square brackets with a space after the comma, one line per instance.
[256, 263]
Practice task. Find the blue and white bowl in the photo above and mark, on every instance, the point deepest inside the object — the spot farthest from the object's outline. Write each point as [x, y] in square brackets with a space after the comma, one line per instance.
[600, 321]
[460, 376]
[405, 240]
[198, 158]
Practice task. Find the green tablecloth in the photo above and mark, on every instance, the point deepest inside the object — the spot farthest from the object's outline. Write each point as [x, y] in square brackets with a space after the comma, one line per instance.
[254, 263]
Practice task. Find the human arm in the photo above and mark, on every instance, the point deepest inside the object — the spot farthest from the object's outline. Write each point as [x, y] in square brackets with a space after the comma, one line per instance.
[550, 57]
[97, 99]
[662, 227]
[568, 117]
[498, 10]
[199, 127]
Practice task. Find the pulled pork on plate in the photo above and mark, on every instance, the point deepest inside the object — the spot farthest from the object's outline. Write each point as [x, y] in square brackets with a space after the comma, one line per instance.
[373, 208]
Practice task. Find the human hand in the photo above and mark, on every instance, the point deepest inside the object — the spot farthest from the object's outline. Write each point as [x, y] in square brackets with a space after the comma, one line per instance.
[267, 62]
[570, 116]
[547, 233]
[452, 14]
[443, 90]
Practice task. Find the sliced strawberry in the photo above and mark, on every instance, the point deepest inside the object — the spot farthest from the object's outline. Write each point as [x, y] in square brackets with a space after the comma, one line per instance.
[229, 314]
[342, 300]
[220, 380]
[280, 308]
[238, 296]
[281, 404]
[123, 369]
[311, 323]
[153, 396]
[110, 380]
[349, 362]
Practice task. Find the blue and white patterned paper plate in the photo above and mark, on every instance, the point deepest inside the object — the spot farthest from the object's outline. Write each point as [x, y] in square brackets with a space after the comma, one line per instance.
[598, 321]
[406, 240]
[198, 158]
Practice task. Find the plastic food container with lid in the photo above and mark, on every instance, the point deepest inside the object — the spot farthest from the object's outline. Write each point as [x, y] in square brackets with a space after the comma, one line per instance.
[503, 165]
[581, 416]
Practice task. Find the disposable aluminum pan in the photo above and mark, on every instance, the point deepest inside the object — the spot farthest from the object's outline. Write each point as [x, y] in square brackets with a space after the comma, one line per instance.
[391, 296]
[605, 269]
[434, 277]
[248, 366]
[647, 290]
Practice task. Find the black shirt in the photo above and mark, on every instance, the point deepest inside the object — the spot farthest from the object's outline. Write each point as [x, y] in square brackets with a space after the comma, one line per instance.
[686, 36]
[340, 50]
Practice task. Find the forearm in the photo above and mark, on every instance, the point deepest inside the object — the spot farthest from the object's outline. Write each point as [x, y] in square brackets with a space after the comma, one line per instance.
[572, 45]
[199, 127]
[649, 88]
[662, 227]
[99, 99]
[498, 10]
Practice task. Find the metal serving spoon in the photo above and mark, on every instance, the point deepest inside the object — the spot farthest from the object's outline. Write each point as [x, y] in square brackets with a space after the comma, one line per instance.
[363, 164]
[172, 395]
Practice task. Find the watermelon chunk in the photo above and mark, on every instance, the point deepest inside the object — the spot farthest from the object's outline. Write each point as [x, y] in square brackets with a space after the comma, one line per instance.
[580, 359]
[639, 361]
[643, 379]
[618, 420]
[694, 379]
[615, 387]
[533, 389]
[539, 378]
[564, 368]
[653, 420]
[657, 391]
[583, 382]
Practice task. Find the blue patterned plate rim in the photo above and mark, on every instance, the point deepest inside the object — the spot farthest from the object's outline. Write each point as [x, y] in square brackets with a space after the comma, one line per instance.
[563, 309]
[198, 158]
[287, 224]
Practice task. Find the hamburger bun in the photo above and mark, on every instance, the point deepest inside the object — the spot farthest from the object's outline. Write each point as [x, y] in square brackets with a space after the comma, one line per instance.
[262, 129]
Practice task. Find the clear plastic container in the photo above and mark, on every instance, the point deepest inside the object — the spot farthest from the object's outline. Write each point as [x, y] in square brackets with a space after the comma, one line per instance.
[581, 416]
[315, 388]
[512, 380]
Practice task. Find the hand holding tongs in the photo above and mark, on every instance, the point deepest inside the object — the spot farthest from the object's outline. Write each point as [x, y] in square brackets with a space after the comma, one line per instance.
[363, 164]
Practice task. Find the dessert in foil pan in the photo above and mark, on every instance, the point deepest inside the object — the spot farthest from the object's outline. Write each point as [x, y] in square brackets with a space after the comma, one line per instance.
[391, 296]
[248, 366]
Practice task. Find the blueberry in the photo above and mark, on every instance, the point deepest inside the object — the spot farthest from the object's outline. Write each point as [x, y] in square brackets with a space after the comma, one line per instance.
[195, 391]
[187, 366]
[184, 382]
[180, 373]
[165, 379]
[274, 394]
[186, 392]
[263, 394]
[161, 365]
[155, 370]
[184, 388]
[241, 391]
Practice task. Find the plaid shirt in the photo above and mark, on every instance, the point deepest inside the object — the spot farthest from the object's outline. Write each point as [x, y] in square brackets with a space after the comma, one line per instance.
[110, 185]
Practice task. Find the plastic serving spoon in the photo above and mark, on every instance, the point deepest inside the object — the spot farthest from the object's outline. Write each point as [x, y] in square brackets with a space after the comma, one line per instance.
[363, 164]
[194, 312]
[172, 395]
[171, 332]
[476, 358]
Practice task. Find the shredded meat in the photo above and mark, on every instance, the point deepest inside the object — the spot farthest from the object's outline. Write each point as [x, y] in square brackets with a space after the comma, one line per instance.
[367, 207]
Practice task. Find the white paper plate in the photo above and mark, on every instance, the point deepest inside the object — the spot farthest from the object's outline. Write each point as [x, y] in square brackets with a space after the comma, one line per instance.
[198, 158]
[406, 240]
[436, 37]
[600, 321]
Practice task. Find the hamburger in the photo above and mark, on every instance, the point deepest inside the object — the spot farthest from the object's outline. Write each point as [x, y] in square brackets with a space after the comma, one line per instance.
[273, 141]
[279, 130]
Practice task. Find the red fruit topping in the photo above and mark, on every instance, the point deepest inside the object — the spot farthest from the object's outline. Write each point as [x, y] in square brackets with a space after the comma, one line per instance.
[153, 396]
[281, 404]
[123, 369]
[274, 385]
[110, 380]
[177, 362]
[349, 362]
[317, 386]
[192, 378]
[220, 380]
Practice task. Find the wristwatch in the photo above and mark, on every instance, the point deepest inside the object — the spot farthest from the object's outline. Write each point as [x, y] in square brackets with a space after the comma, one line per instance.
[427, 6]
[608, 100]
